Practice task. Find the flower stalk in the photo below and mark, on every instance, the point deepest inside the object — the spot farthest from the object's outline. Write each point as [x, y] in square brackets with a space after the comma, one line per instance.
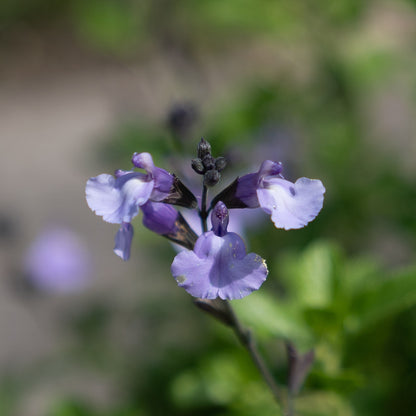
[226, 314]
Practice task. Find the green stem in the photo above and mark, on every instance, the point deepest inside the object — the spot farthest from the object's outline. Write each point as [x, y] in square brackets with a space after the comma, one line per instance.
[246, 339]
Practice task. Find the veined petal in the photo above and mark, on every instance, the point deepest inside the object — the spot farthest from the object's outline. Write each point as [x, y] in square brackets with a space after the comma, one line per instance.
[118, 199]
[254, 270]
[291, 205]
[192, 273]
[123, 240]
[103, 197]
[219, 267]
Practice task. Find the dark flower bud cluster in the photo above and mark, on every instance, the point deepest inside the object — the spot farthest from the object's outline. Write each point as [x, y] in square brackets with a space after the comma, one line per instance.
[205, 164]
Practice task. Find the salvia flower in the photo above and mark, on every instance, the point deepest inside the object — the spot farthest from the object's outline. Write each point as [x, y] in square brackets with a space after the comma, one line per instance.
[218, 266]
[291, 205]
[118, 198]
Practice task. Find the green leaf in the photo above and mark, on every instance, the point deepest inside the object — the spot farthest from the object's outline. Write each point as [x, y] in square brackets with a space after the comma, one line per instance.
[340, 381]
[109, 25]
[387, 297]
[310, 277]
[358, 274]
[323, 404]
[273, 317]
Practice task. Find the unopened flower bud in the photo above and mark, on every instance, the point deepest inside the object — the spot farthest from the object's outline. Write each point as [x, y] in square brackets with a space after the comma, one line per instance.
[198, 166]
[211, 177]
[204, 149]
[219, 219]
[159, 218]
[209, 162]
[163, 219]
[220, 163]
[181, 119]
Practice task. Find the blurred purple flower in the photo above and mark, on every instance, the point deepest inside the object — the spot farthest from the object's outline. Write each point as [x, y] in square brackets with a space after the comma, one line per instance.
[218, 265]
[58, 261]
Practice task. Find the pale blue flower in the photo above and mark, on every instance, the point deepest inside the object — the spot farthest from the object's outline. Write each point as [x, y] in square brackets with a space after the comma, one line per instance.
[218, 266]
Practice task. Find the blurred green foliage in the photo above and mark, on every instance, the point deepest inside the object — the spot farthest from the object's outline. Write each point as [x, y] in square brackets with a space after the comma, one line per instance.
[121, 26]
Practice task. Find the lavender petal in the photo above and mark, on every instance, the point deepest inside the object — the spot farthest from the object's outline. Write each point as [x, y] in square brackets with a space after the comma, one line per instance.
[118, 199]
[218, 267]
[123, 240]
[291, 205]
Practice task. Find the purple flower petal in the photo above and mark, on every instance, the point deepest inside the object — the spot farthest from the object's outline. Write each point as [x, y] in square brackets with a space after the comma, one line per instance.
[270, 168]
[120, 172]
[291, 205]
[219, 267]
[247, 185]
[163, 180]
[163, 184]
[123, 240]
[118, 199]
[143, 161]
[246, 190]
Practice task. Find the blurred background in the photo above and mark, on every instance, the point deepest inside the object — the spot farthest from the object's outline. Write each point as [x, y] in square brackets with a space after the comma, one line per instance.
[328, 88]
